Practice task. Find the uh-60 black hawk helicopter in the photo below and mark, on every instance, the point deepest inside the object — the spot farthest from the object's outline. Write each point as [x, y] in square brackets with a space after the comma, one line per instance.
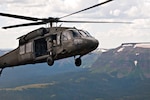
[52, 43]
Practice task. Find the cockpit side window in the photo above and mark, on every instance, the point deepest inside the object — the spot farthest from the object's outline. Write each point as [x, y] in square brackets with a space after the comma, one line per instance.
[66, 36]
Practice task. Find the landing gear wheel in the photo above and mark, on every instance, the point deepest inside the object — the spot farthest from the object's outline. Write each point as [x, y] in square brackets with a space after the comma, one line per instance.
[78, 61]
[50, 61]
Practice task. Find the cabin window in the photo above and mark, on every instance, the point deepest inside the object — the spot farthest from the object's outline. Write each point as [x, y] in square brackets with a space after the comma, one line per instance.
[22, 49]
[29, 47]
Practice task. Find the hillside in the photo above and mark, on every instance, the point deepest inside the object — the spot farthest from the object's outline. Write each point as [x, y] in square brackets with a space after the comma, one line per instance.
[129, 59]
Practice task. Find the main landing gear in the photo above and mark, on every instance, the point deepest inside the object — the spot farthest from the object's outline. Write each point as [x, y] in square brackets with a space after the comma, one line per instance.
[50, 61]
[78, 61]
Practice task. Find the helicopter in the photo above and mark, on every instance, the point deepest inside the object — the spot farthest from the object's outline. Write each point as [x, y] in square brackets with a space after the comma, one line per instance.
[51, 43]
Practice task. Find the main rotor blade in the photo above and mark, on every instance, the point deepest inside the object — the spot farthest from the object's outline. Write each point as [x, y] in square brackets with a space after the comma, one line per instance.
[87, 8]
[95, 22]
[20, 17]
[41, 23]
[27, 24]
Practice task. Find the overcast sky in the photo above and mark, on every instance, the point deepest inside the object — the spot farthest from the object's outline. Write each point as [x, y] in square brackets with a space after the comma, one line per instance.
[109, 35]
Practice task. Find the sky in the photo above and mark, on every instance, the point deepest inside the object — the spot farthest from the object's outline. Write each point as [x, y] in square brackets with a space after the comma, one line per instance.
[109, 35]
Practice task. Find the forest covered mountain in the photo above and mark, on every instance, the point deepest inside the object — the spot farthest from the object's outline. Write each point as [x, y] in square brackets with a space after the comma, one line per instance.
[129, 59]
[122, 73]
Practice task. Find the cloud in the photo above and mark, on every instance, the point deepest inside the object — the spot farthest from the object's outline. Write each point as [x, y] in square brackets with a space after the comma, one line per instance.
[115, 12]
[109, 35]
[132, 12]
[115, 9]
[12, 1]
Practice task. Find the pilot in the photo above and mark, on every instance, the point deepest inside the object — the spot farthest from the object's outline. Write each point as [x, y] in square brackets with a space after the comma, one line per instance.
[50, 45]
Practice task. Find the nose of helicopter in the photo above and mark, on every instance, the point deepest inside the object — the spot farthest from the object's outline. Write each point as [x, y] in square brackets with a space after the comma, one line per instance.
[85, 45]
[92, 44]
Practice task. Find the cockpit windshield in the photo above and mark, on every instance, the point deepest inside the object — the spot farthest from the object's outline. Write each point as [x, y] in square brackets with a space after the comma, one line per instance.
[75, 33]
[79, 33]
[84, 33]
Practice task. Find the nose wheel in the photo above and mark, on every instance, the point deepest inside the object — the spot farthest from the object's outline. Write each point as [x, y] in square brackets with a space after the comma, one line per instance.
[78, 61]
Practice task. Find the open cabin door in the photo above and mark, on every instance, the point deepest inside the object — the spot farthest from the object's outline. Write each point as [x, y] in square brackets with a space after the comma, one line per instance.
[40, 47]
[54, 45]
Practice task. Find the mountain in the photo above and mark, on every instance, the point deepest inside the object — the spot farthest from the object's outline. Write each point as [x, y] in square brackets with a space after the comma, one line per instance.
[3, 52]
[116, 74]
[129, 59]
